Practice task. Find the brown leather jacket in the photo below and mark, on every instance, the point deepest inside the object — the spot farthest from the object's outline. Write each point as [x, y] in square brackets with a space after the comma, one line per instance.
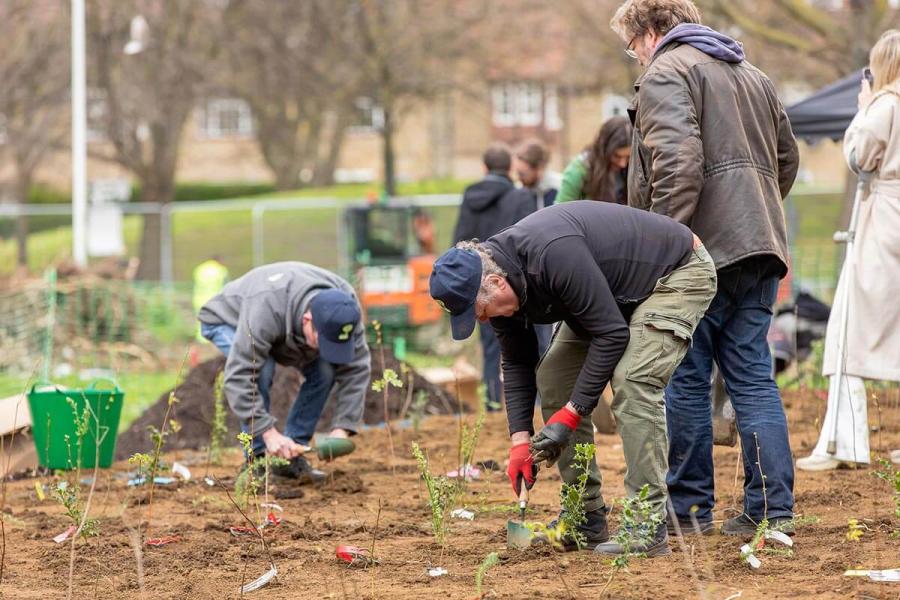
[713, 149]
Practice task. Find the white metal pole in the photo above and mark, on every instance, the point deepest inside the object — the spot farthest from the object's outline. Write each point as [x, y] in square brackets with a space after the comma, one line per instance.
[79, 137]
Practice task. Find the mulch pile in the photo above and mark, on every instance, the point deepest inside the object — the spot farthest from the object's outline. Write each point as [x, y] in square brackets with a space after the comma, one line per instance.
[194, 409]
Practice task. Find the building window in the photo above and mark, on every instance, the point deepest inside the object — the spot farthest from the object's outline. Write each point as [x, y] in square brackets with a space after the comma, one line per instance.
[525, 104]
[368, 116]
[226, 117]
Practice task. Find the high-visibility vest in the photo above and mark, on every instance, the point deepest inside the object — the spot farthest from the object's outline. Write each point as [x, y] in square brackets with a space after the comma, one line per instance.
[209, 279]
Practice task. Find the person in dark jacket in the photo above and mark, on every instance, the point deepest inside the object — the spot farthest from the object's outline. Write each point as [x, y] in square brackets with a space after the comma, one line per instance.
[713, 149]
[628, 287]
[489, 206]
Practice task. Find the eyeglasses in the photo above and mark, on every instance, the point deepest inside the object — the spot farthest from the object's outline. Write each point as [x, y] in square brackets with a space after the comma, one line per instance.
[631, 53]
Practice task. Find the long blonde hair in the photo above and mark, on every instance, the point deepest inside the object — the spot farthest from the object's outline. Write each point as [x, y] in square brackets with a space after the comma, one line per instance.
[884, 60]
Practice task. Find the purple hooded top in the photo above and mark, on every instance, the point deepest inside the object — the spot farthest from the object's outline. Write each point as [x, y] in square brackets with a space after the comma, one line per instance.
[709, 41]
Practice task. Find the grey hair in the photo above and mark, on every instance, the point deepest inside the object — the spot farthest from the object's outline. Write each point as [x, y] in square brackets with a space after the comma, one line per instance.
[488, 267]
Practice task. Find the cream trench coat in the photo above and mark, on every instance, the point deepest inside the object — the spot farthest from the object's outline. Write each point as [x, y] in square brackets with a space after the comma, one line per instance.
[873, 330]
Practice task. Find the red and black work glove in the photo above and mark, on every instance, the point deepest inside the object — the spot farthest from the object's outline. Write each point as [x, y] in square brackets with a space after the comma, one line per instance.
[550, 441]
[521, 467]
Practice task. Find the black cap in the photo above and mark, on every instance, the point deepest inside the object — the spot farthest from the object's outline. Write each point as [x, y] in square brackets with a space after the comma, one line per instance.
[335, 314]
[455, 281]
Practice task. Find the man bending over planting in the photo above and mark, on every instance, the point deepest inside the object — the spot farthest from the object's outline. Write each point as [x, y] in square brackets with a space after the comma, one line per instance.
[299, 315]
[629, 288]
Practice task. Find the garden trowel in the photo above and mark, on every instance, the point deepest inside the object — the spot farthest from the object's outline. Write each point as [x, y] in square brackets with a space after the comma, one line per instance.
[518, 535]
[329, 448]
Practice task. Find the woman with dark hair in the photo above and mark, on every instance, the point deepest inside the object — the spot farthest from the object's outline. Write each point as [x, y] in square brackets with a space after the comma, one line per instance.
[600, 171]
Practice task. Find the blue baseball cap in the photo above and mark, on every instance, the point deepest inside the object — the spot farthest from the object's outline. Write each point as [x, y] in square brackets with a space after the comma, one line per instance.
[455, 281]
[335, 314]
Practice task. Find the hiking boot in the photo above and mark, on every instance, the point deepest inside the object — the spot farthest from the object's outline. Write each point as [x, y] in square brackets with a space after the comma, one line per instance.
[687, 527]
[743, 525]
[594, 529]
[657, 546]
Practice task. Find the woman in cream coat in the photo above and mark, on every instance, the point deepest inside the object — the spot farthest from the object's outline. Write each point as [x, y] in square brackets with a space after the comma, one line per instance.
[873, 324]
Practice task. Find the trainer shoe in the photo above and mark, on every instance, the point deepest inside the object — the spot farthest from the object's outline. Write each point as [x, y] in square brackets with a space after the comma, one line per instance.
[814, 462]
[658, 546]
[743, 525]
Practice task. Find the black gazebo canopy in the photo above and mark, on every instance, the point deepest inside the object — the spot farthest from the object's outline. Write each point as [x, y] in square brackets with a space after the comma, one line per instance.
[828, 112]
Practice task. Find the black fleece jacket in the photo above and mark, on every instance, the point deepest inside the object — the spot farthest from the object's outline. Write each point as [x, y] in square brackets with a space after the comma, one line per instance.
[588, 264]
[489, 206]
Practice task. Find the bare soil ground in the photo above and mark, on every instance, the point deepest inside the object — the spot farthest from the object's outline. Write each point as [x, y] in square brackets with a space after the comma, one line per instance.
[208, 562]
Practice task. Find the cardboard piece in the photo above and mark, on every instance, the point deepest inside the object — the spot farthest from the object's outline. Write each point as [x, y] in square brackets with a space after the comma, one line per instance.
[18, 452]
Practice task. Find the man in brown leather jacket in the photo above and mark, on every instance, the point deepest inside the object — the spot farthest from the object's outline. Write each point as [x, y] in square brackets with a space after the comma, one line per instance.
[714, 150]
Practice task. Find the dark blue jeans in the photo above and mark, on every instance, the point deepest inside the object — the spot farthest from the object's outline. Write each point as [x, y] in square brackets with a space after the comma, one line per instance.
[318, 379]
[733, 334]
[490, 349]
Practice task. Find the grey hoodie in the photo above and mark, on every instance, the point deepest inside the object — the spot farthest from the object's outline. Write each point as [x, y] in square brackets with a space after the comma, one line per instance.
[265, 306]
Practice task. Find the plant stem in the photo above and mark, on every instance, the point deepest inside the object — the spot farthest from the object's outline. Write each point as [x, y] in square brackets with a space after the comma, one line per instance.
[159, 442]
[762, 477]
[372, 552]
[249, 522]
[87, 503]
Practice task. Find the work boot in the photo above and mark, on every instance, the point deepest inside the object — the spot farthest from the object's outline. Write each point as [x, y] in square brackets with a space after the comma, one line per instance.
[743, 525]
[594, 529]
[687, 527]
[657, 546]
[299, 468]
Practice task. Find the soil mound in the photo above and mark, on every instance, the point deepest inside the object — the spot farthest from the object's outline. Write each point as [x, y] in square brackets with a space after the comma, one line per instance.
[195, 406]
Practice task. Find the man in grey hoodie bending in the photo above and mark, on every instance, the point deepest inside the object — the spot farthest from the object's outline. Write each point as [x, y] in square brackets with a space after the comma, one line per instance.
[299, 315]
[714, 150]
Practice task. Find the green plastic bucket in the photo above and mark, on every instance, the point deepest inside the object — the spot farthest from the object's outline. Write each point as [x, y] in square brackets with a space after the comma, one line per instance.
[53, 424]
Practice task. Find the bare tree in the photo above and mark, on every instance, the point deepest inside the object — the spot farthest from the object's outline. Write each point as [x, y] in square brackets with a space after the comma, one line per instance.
[284, 59]
[407, 50]
[150, 95]
[832, 41]
[33, 69]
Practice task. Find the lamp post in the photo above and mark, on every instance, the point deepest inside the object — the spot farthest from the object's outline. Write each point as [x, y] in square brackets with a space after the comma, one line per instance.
[79, 137]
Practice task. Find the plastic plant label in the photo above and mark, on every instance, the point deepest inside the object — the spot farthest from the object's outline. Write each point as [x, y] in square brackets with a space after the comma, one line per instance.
[437, 571]
[157, 480]
[39, 490]
[467, 472]
[181, 470]
[749, 558]
[461, 513]
[884, 576]
[355, 556]
[261, 582]
[778, 536]
[162, 541]
[209, 481]
[59, 539]
[240, 531]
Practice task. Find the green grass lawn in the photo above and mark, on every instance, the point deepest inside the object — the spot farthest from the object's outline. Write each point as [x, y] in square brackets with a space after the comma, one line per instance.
[815, 256]
[141, 389]
[308, 235]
